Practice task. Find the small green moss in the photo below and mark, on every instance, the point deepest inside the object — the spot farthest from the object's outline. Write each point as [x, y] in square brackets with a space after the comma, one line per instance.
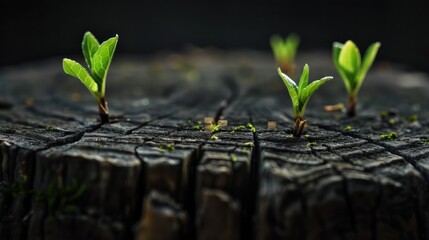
[251, 127]
[18, 189]
[250, 144]
[233, 158]
[347, 128]
[389, 136]
[306, 136]
[392, 121]
[213, 137]
[49, 128]
[195, 125]
[237, 129]
[311, 144]
[424, 140]
[166, 148]
[384, 114]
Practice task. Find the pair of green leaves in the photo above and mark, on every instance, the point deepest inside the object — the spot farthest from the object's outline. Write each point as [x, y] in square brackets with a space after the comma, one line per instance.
[98, 58]
[350, 66]
[301, 94]
[284, 50]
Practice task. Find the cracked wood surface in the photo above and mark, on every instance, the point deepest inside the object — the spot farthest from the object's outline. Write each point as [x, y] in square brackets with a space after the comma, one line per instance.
[155, 173]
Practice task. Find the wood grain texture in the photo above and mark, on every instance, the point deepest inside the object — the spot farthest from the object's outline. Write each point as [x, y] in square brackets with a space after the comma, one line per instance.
[151, 174]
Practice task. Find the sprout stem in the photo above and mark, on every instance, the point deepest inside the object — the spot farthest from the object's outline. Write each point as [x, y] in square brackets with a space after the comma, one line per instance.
[288, 67]
[351, 108]
[103, 110]
[299, 126]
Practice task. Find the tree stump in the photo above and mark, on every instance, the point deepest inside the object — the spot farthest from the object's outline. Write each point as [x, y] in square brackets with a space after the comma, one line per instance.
[157, 172]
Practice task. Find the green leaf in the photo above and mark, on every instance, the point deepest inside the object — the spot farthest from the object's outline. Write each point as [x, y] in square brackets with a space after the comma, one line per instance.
[349, 58]
[368, 59]
[90, 46]
[336, 50]
[309, 90]
[291, 87]
[74, 69]
[276, 45]
[291, 45]
[303, 81]
[101, 62]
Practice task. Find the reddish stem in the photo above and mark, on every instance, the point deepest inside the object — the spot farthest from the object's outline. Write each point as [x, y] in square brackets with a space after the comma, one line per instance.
[103, 110]
[299, 127]
[351, 108]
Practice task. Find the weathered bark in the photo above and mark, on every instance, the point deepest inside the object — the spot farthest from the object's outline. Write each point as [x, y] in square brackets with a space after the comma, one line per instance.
[154, 172]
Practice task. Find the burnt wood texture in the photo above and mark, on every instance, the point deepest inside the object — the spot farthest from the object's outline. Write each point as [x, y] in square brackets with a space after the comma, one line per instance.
[157, 172]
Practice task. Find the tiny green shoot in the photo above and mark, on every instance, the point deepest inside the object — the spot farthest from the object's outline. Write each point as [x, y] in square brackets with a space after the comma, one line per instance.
[300, 94]
[234, 158]
[389, 136]
[347, 128]
[213, 137]
[49, 128]
[311, 144]
[249, 144]
[214, 127]
[98, 58]
[284, 51]
[251, 127]
[352, 68]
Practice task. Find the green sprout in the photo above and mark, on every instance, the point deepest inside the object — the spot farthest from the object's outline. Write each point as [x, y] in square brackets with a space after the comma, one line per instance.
[98, 58]
[284, 51]
[347, 128]
[389, 136]
[300, 95]
[352, 68]
[214, 127]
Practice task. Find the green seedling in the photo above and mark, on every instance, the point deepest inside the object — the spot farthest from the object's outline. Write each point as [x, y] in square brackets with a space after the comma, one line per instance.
[352, 68]
[214, 127]
[98, 58]
[389, 136]
[284, 51]
[300, 94]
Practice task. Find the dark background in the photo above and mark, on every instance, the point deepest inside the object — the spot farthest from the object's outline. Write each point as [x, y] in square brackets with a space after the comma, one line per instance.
[34, 30]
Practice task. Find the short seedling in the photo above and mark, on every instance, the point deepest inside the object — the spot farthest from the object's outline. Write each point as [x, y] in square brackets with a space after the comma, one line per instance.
[300, 95]
[98, 58]
[284, 51]
[352, 68]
